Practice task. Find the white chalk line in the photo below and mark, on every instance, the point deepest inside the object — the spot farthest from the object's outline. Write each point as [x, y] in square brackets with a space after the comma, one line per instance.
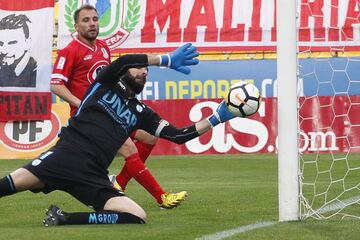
[246, 228]
[234, 231]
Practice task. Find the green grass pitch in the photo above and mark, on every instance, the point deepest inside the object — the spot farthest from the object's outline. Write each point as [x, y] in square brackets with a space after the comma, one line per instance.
[225, 192]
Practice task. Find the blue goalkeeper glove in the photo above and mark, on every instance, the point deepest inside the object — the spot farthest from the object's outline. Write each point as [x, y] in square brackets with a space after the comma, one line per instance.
[222, 114]
[181, 58]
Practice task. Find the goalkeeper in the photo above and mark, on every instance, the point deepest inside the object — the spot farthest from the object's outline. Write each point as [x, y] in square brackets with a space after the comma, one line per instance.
[109, 113]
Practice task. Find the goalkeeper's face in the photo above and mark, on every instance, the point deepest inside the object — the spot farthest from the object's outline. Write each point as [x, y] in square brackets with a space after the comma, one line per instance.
[87, 25]
[135, 78]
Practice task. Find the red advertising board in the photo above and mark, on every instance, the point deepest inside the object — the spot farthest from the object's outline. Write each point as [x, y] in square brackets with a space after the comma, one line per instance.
[328, 130]
[328, 124]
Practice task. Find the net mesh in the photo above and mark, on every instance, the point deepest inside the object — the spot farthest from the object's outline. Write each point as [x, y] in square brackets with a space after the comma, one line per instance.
[329, 110]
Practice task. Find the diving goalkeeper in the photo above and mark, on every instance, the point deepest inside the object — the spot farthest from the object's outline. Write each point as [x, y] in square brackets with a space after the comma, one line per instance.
[108, 114]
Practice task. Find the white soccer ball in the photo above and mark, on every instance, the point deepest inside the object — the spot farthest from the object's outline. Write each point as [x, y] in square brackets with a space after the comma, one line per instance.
[243, 99]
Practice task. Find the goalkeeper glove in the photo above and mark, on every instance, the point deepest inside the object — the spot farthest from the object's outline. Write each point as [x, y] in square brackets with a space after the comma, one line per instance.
[222, 114]
[180, 58]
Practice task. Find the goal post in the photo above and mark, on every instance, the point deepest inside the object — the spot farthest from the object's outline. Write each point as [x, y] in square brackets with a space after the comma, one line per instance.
[318, 53]
[288, 155]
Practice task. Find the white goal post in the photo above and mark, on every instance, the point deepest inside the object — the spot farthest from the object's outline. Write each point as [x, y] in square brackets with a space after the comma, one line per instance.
[318, 51]
[288, 158]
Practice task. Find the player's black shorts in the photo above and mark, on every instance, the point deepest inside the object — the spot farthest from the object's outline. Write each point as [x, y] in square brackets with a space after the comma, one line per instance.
[74, 172]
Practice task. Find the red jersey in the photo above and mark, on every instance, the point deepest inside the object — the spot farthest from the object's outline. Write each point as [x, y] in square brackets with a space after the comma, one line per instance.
[78, 64]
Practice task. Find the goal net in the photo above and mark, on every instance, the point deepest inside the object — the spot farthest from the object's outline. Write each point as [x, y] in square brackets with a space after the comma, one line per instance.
[319, 143]
[329, 110]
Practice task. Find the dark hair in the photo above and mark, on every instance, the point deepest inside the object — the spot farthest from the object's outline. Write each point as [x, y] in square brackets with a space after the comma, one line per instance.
[14, 22]
[85, 6]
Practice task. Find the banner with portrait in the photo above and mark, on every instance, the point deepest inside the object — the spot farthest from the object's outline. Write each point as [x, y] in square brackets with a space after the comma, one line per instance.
[26, 30]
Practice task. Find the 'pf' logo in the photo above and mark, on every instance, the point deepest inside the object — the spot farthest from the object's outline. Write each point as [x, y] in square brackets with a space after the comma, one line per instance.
[29, 135]
[114, 26]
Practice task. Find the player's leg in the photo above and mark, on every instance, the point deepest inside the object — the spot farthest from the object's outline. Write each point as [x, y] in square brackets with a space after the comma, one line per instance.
[19, 180]
[142, 175]
[144, 144]
[123, 177]
[125, 204]
[111, 208]
[136, 168]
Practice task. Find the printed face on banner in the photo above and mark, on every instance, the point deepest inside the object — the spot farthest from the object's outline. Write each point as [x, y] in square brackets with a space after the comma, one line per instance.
[17, 67]
[13, 46]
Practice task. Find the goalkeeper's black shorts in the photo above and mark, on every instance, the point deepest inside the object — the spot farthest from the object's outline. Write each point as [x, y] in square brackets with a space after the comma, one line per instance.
[75, 173]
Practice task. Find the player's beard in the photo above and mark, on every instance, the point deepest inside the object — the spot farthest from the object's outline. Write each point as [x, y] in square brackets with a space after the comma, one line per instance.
[90, 36]
[131, 82]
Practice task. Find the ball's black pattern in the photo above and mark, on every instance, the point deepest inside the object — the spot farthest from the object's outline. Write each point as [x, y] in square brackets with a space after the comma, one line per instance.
[242, 104]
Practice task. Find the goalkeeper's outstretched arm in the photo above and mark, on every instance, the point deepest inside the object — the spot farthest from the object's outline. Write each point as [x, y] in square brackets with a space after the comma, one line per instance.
[182, 135]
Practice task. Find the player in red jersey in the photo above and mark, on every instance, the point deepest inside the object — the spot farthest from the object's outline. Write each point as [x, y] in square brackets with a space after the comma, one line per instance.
[76, 67]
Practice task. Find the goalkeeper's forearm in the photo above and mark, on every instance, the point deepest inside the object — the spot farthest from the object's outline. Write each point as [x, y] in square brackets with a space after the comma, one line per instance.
[182, 135]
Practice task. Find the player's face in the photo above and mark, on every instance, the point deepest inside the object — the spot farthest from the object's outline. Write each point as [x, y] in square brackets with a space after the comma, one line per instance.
[87, 25]
[136, 78]
[139, 74]
[13, 45]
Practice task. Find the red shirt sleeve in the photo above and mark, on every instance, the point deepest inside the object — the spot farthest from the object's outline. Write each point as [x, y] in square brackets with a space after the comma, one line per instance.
[63, 66]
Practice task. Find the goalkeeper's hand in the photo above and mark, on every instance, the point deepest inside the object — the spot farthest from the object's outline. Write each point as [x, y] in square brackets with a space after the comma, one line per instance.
[181, 58]
[222, 114]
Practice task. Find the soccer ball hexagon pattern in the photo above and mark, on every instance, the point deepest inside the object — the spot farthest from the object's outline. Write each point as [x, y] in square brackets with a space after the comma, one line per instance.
[243, 99]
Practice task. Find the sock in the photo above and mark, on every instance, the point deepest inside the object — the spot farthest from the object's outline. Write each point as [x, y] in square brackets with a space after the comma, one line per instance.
[137, 169]
[101, 217]
[132, 135]
[144, 150]
[7, 186]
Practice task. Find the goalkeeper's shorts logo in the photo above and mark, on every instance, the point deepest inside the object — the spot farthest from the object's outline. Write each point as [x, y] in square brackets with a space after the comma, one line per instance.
[36, 162]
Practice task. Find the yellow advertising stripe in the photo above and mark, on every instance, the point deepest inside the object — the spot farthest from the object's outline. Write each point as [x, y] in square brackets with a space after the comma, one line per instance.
[266, 55]
[254, 55]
